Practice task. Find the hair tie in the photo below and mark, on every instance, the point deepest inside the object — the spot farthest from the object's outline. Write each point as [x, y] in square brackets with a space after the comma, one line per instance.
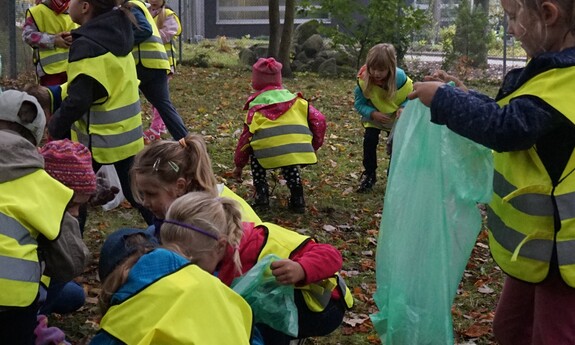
[183, 142]
[191, 227]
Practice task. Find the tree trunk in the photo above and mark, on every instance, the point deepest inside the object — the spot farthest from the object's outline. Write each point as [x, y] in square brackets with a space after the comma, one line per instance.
[274, 17]
[287, 35]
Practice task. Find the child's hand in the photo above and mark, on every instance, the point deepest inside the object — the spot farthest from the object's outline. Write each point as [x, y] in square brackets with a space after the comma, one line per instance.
[237, 174]
[443, 76]
[287, 272]
[63, 40]
[425, 91]
[382, 118]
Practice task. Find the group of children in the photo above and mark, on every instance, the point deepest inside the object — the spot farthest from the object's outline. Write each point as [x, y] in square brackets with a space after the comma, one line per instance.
[202, 236]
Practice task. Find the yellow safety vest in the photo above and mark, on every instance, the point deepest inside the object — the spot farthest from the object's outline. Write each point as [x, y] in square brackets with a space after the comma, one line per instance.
[284, 141]
[170, 45]
[384, 106]
[283, 243]
[24, 216]
[521, 213]
[150, 53]
[248, 213]
[189, 306]
[52, 61]
[113, 127]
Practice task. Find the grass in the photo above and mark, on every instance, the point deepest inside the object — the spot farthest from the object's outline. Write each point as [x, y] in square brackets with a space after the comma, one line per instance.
[210, 100]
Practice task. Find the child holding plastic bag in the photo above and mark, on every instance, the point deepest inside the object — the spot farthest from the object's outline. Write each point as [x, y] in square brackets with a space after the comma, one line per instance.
[165, 170]
[210, 231]
[530, 126]
[155, 295]
[380, 96]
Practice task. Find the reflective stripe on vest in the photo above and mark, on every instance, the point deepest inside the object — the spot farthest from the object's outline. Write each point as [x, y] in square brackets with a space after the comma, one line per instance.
[190, 306]
[525, 202]
[150, 53]
[169, 46]
[284, 141]
[283, 243]
[55, 60]
[384, 106]
[113, 128]
[23, 216]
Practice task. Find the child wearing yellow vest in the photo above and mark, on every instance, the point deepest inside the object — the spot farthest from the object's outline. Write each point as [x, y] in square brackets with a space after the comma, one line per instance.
[47, 30]
[281, 130]
[209, 230]
[380, 96]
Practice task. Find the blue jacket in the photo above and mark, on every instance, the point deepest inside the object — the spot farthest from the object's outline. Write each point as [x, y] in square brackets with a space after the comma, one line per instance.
[526, 121]
[364, 106]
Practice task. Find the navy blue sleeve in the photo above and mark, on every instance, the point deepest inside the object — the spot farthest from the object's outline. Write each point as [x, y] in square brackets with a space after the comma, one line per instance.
[144, 29]
[82, 92]
[516, 126]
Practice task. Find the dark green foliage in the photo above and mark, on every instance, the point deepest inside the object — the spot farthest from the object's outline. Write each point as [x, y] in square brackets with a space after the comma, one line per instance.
[467, 46]
[359, 27]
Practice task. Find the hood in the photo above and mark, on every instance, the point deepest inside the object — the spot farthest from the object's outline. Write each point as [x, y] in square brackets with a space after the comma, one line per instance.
[19, 157]
[111, 31]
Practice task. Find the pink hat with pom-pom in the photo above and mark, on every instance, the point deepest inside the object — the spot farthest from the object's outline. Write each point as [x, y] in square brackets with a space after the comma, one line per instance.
[266, 72]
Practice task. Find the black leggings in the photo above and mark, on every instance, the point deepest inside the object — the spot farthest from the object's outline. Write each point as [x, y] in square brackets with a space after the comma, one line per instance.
[259, 174]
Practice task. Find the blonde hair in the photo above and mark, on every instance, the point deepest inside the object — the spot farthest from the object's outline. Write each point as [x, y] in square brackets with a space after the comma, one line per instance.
[167, 161]
[212, 217]
[381, 57]
[161, 16]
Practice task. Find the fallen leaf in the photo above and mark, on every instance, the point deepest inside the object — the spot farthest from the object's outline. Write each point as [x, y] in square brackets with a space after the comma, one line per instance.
[329, 228]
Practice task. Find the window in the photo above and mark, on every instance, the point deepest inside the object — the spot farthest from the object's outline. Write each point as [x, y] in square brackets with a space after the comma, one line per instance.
[256, 12]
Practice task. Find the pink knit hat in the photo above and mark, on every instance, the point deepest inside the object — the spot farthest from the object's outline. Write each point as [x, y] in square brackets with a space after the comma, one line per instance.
[70, 163]
[266, 72]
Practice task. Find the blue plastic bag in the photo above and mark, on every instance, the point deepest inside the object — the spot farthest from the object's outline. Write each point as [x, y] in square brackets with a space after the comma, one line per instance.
[429, 226]
[272, 303]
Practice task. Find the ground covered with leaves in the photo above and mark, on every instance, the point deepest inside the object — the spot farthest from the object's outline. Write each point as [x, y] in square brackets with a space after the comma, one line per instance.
[210, 101]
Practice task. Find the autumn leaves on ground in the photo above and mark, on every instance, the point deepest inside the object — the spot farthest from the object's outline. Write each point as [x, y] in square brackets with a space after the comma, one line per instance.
[211, 100]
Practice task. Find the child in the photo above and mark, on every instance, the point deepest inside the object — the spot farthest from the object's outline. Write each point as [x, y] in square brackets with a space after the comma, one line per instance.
[71, 164]
[47, 30]
[210, 231]
[530, 127]
[380, 95]
[165, 170]
[281, 130]
[34, 219]
[153, 66]
[102, 106]
[156, 296]
[169, 27]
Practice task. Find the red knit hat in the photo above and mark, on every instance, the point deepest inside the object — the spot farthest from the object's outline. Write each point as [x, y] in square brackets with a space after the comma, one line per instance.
[266, 72]
[70, 163]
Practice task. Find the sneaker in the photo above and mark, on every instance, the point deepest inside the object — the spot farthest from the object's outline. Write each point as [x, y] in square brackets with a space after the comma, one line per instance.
[367, 182]
[150, 136]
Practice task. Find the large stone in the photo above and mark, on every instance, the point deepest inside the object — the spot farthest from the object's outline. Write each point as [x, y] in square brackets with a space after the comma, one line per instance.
[247, 57]
[328, 68]
[305, 30]
[313, 45]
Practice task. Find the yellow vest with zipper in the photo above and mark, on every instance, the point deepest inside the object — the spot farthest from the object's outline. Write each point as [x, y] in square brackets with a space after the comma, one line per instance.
[284, 141]
[284, 243]
[169, 46]
[384, 106]
[189, 306]
[23, 217]
[52, 61]
[521, 213]
[150, 53]
[113, 127]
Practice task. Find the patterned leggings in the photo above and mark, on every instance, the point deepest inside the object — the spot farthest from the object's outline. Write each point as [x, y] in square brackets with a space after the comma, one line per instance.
[290, 173]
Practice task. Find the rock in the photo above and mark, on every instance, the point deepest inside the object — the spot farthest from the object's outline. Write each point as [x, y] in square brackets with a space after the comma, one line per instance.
[305, 30]
[313, 45]
[247, 57]
[328, 68]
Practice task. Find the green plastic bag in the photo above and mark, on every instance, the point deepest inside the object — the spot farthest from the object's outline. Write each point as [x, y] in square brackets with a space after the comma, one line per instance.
[272, 303]
[429, 226]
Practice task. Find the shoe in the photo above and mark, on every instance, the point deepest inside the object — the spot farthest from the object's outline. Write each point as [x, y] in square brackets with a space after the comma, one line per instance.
[150, 136]
[367, 182]
[262, 199]
[296, 201]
